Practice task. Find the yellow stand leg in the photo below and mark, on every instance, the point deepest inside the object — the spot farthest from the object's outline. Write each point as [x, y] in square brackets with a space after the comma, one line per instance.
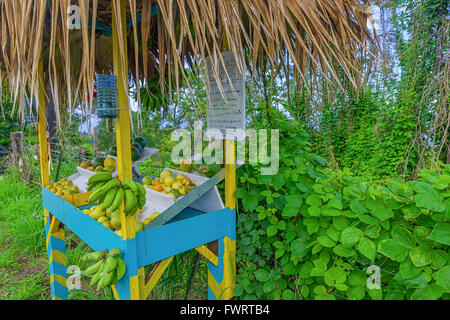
[55, 237]
[222, 279]
[123, 134]
[42, 133]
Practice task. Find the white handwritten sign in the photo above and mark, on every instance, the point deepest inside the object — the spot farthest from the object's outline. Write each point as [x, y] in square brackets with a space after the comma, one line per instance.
[228, 113]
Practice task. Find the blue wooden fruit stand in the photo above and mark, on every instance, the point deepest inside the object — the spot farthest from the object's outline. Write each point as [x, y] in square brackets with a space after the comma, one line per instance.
[176, 230]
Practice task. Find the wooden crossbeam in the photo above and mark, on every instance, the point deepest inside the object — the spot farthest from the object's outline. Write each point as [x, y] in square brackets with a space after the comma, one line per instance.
[208, 254]
[155, 274]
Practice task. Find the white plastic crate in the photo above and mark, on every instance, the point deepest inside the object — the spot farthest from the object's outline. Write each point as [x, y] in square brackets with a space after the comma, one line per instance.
[159, 202]
[80, 180]
[156, 202]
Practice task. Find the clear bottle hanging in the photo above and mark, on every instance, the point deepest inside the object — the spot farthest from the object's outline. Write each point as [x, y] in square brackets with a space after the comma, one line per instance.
[107, 96]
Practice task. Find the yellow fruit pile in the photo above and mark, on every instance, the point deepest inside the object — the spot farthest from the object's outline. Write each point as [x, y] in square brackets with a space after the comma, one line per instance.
[109, 165]
[87, 165]
[110, 219]
[63, 187]
[170, 185]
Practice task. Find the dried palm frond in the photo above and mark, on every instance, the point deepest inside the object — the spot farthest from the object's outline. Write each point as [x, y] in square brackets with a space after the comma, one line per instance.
[330, 36]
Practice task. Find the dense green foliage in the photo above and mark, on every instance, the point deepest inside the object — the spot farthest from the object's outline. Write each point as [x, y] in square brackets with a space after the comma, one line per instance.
[311, 233]
[397, 124]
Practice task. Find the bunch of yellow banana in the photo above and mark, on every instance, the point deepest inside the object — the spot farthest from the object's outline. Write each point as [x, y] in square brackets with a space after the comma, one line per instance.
[107, 267]
[110, 192]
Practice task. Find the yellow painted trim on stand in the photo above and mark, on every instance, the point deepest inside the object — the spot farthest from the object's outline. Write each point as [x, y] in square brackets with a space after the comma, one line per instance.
[141, 276]
[42, 128]
[208, 254]
[79, 199]
[116, 295]
[123, 122]
[230, 157]
[215, 287]
[135, 293]
[57, 256]
[230, 174]
[55, 231]
[42, 134]
[150, 285]
[58, 234]
[225, 289]
[54, 226]
[58, 278]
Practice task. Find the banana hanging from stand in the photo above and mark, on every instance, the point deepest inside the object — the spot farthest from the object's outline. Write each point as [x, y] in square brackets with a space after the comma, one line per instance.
[108, 267]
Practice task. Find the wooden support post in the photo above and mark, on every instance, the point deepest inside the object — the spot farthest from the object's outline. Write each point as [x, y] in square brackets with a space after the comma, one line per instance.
[155, 274]
[222, 278]
[42, 130]
[208, 254]
[55, 237]
[130, 290]
[230, 174]
[230, 160]
[56, 251]
[123, 122]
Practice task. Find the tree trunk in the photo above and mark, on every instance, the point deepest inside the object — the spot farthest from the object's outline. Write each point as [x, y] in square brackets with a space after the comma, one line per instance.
[16, 148]
[18, 157]
[448, 153]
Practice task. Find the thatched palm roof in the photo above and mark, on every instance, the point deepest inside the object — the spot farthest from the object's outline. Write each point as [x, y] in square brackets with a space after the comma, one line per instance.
[327, 35]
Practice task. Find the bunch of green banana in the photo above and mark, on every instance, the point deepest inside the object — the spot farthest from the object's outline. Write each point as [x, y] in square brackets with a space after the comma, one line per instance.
[134, 196]
[110, 192]
[98, 180]
[94, 256]
[107, 269]
[105, 192]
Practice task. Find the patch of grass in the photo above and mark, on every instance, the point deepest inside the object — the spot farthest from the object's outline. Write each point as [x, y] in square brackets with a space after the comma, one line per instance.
[23, 266]
[25, 281]
[21, 216]
[8, 256]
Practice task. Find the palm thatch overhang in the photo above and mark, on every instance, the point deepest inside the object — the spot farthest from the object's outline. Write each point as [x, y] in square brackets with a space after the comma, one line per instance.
[165, 36]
